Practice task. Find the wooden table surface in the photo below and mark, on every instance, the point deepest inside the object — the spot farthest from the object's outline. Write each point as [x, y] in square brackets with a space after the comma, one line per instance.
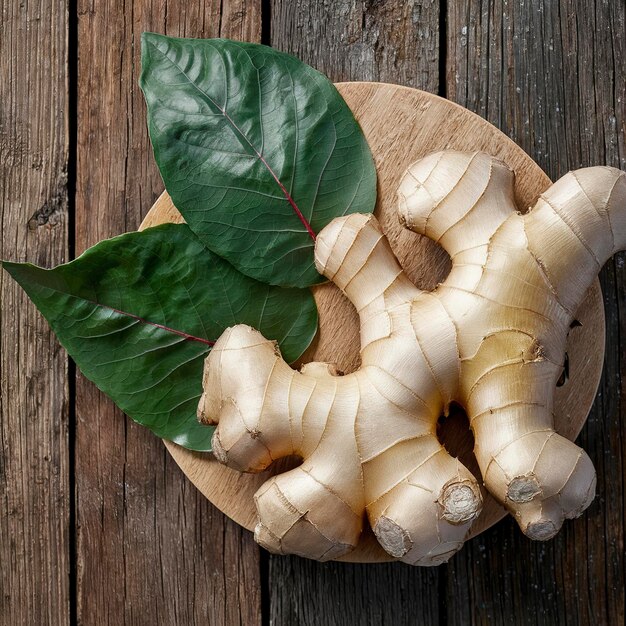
[97, 523]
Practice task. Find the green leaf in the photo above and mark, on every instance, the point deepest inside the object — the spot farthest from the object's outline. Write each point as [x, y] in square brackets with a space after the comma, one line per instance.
[139, 313]
[257, 150]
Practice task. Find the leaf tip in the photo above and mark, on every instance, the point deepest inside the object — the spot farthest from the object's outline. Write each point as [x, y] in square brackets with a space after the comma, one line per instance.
[9, 266]
[150, 37]
[148, 40]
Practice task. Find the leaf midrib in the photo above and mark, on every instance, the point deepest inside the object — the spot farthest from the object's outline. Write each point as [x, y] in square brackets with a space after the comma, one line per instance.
[211, 102]
[142, 320]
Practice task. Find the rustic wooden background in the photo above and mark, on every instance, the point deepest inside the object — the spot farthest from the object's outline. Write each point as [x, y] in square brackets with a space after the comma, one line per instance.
[97, 524]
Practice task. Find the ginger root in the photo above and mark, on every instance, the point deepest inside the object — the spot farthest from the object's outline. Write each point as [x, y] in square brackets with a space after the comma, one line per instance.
[491, 337]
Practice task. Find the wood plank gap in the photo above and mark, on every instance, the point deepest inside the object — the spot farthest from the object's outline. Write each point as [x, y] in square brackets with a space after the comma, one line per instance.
[266, 597]
[443, 49]
[72, 108]
[266, 22]
[443, 571]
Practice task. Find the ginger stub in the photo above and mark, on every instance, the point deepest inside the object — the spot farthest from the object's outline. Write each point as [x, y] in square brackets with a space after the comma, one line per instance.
[491, 337]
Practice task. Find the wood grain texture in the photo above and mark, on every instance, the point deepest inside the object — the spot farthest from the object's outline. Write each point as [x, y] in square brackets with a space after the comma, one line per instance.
[395, 41]
[150, 549]
[426, 123]
[34, 450]
[552, 76]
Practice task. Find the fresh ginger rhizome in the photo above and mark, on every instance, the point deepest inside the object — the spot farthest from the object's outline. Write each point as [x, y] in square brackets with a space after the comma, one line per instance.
[490, 337]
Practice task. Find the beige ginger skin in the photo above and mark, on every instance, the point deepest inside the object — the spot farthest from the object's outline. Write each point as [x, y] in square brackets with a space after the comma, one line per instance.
[490, 337]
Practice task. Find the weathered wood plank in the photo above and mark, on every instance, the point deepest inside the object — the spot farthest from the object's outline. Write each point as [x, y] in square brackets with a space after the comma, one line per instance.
[34, 453]
[308, 593]
[150, 549]
[552, 75]
[396, 42]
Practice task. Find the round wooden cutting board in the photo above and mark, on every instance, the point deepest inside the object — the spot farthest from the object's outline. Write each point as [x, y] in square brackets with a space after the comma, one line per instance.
[402, 125]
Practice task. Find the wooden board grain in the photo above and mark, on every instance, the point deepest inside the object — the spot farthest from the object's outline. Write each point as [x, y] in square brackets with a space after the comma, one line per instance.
[150, 548]
[401, 125]
[34, 400]
[394, 41]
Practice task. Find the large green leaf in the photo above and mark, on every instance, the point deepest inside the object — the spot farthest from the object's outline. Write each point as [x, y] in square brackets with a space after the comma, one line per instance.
[257, 150]
[139, 313]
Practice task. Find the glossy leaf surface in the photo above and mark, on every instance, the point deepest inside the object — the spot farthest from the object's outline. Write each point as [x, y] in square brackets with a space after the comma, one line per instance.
[257, 150]
[139, 313]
